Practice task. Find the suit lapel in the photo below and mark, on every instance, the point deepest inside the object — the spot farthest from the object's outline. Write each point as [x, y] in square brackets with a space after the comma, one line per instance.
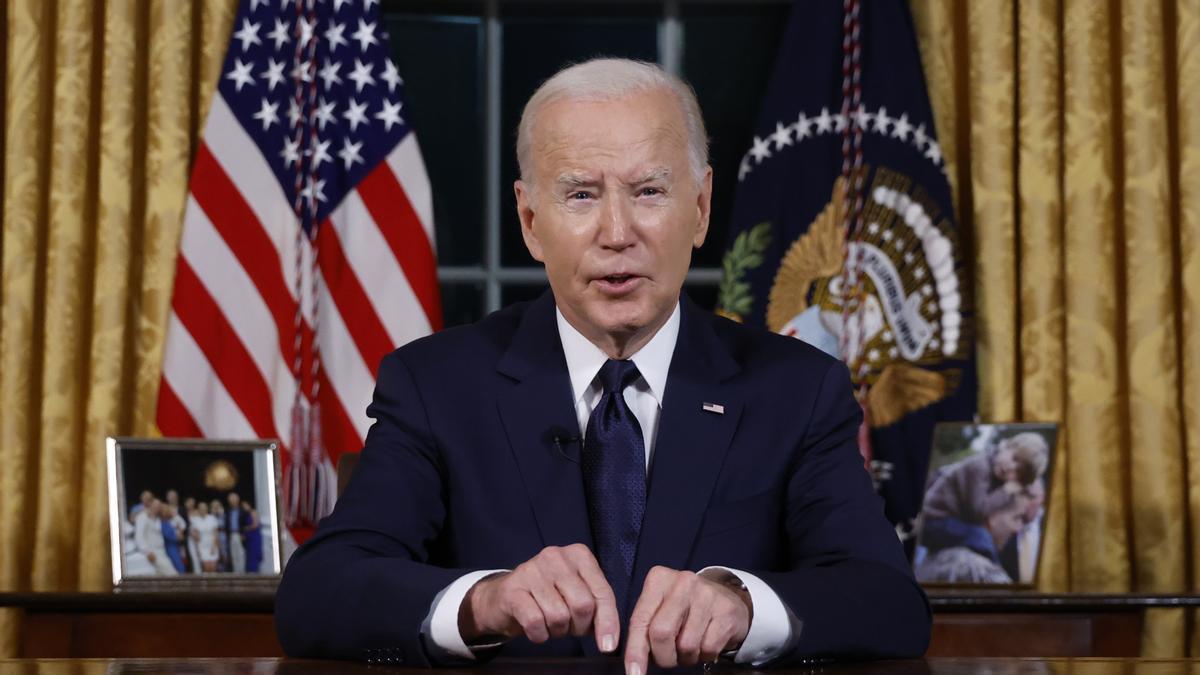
[542, 429]
[691, 445]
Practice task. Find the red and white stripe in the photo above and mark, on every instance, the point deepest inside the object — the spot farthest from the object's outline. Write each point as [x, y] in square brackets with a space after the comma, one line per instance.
[227, 369]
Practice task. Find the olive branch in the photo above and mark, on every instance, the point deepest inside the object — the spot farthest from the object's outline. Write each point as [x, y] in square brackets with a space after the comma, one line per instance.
[746, 253]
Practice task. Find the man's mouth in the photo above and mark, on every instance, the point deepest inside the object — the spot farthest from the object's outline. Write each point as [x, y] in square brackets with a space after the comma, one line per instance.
[618, 284]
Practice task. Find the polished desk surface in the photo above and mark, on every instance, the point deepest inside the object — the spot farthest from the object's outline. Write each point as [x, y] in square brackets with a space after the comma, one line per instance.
[931, 666]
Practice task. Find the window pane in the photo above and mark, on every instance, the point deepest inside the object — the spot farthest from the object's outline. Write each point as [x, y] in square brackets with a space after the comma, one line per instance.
[462, 302]
[729, 50]
[534, 48]
[441, 61]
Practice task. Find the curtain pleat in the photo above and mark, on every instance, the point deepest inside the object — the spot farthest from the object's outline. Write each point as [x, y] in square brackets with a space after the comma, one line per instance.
[68, 282]
[29, 48]
[110, 350]
[1186, 140]
[1039, 209]
[991, 94]
[1095, 419]
[1156, 463]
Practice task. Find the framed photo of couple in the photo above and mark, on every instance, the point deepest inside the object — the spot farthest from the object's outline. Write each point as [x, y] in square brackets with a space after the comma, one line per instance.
[194, 514]
[983, 515]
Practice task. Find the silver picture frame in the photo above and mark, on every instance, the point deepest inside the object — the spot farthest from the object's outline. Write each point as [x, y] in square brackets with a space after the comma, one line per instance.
[204, 476]
[986, 504]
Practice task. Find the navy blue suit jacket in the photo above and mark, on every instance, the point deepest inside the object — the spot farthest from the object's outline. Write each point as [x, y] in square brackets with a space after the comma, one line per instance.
[463, 470]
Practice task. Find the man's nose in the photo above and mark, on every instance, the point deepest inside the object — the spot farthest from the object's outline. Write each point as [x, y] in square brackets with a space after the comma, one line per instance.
[616, 229]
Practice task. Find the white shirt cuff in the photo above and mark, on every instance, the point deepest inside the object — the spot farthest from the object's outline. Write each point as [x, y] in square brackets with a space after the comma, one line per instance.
[771, 625]
[441, 625]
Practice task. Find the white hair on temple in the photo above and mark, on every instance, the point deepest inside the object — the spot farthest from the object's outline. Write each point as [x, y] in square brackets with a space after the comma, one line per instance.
[609, 79]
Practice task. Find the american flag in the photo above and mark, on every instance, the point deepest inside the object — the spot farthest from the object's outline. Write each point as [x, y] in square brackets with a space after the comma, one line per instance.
[307, 247]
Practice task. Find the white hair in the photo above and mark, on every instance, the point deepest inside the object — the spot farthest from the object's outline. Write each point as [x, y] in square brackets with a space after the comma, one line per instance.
[607, 80]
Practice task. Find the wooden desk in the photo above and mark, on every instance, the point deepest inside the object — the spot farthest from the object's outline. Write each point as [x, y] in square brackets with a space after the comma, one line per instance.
[977, 623]
[1003, 623]
[131, 625]
[929, 666]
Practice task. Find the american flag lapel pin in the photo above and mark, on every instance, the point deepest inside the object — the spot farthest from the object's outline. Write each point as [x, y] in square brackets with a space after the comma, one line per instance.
[714, 408]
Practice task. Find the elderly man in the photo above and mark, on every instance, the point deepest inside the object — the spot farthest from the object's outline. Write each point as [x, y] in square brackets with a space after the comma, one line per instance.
[607, 469]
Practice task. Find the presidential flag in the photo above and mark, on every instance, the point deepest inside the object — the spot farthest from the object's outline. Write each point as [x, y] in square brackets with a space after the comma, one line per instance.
[843, 233]
[307, 251]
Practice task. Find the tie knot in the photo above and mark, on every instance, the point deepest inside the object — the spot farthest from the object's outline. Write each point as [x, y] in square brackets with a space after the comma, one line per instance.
[616, 375]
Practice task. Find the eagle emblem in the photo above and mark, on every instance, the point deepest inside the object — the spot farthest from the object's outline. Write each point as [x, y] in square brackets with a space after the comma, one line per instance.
[911, 316]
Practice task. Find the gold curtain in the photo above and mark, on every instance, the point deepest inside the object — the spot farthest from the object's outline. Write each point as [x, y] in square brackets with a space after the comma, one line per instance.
[1071, 130]
[101, 110]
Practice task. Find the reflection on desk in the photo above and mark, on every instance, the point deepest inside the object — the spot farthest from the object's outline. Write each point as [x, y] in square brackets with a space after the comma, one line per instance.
[932, 666]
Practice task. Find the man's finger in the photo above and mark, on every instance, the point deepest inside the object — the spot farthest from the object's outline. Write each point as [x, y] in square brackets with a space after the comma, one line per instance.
[554, 609]
[605, 620]
[526, 613]
[580, 603]
[716, 638]
[637, 645]
[691, 634]
[668, 620]
[713, 643]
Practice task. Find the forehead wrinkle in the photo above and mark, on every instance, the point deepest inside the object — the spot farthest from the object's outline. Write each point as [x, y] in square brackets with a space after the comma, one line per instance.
[561, 144]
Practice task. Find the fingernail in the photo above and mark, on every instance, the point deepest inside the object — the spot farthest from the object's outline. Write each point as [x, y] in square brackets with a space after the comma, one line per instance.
[608, 643]
[635, 669]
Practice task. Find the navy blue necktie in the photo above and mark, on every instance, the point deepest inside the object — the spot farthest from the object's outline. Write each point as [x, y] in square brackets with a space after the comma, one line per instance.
[614, 477]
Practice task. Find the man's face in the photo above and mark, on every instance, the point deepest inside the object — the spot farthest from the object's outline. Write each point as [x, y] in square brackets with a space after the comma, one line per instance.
[1006, 522]
[614, 211]
[234, 499]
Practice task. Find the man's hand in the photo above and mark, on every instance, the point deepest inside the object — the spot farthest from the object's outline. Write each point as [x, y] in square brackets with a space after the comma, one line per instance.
[558, 591]
[683, 619]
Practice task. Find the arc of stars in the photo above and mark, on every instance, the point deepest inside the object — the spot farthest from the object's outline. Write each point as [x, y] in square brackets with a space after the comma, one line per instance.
[786, 135]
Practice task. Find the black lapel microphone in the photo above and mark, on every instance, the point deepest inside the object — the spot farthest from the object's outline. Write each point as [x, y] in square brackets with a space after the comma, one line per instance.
[569, 445]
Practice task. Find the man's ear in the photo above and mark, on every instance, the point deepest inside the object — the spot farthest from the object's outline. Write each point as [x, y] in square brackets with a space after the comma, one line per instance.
[525, 212]
[703, 207]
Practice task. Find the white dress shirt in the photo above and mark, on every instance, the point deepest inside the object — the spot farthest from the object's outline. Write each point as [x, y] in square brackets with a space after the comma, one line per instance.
[771, 626]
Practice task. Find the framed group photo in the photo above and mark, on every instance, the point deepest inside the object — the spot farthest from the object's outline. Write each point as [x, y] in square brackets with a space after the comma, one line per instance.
[983, 514]
[193, 513]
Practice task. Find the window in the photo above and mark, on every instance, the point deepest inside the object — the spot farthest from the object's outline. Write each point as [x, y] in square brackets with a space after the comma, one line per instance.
[469, 67]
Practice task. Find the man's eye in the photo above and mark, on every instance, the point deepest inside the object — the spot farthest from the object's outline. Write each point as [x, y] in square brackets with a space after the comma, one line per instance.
[650, 192]
[579, 195]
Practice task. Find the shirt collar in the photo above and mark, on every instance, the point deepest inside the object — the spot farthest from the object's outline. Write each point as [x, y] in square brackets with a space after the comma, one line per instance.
[653, 360]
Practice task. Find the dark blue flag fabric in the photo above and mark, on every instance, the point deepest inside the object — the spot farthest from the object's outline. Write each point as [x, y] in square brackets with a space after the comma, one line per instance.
[869, 269]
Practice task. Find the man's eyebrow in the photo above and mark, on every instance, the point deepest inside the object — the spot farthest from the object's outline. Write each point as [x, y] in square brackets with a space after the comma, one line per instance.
[657, 173]
[575, 179]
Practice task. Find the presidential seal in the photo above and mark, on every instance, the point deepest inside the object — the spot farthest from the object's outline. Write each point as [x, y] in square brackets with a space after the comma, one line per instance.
[907, 316]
